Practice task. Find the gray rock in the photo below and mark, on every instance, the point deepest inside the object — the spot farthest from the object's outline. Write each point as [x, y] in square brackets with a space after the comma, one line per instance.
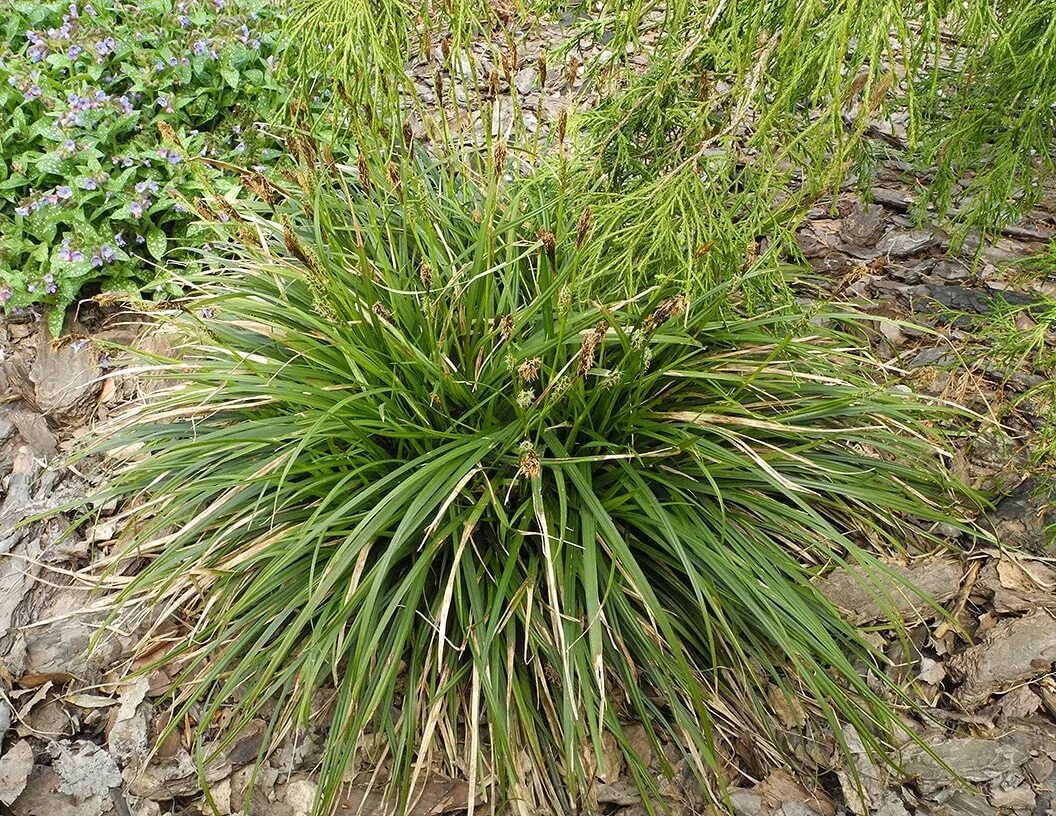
[975, 759]
[618, 793]
[863, 226]
[1021, 797]
[866, 596]
[65, 380]
[15, 767]
[85, 770]
[1012, 652]
[903, 243]
[746, 803]
[795, 809]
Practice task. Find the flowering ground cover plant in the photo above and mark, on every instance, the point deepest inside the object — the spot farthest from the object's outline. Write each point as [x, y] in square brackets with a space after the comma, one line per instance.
[90, 190]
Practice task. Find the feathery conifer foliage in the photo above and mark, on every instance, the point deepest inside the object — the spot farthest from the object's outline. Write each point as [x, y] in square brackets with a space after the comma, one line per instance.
[746, 111]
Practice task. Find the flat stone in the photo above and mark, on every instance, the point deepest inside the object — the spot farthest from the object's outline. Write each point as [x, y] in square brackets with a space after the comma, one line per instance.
[1022, 797]
[65, 379]
[903, 243]
[863, 226]
[1013, 652]
[869, 596]
[975, 759]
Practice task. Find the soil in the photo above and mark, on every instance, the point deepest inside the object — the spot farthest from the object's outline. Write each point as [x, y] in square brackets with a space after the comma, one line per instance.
[76, 735]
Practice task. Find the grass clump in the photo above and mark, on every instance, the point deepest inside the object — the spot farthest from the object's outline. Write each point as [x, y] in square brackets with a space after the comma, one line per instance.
[403, 464]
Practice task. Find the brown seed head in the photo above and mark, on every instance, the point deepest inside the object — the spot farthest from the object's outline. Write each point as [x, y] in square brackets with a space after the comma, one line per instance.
[530, 466]
[168, 134]
[225, 207]
[583, 226]
[751, 254]
[493, 83]
[672, 307]
[500, 159]
[506, 327]
[546, 238]
[528, 371]
[425, 275]
[878, 94]
[382, 312]
[562, 125]
[704, 86]
[588, 351]
[394, 178]
[204, 210]
[364, 174]
[540, 66]
[509, 65]
[260, 187]
[573, 70]
[438, 88]
[301, 252]
[408, 134]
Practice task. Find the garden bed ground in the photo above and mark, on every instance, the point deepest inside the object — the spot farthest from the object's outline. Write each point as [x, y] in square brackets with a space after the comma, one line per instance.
[76, 735]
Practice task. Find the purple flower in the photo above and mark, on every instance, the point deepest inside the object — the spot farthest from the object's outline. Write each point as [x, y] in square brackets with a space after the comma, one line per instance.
[5, 294]
[159, 66]
[102, 96]
[200, 47]
[124, 104]
[119, 239]
[74, 52]
[96, 262]
[23, 211]
[184, 21]
[108, 253]
[69, 145]
[64, 192]
[140, 239]
[77, 256]
[73, 10]
[89, 10]
[136, 209]
[49, 284]
[32, 92]
[89, 184]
